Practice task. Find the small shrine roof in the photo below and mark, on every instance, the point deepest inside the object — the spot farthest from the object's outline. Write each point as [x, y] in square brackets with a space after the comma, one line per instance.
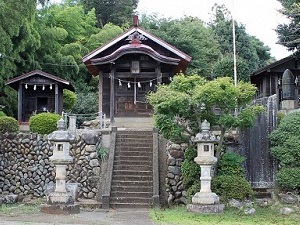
[14, 82]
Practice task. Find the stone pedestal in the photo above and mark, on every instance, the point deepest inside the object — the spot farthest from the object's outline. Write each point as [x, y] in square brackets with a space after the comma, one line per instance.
[60, 209]
[288, 104]
[205, 209]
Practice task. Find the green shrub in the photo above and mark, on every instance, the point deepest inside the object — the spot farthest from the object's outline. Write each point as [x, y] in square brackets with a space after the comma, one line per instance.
[289, 178]
[69, 99]
[192, 190]
[231, 164]
[8, 124]
[2, 113]
[285, 142]
[228, 186]
[190, 169]
[44, 123]
[102, 152]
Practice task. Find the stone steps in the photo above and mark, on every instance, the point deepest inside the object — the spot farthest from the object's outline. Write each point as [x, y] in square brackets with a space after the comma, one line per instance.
[132, 181]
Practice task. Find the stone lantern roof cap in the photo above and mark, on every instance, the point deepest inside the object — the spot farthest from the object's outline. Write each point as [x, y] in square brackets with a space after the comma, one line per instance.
[205, 135]
[61, 134]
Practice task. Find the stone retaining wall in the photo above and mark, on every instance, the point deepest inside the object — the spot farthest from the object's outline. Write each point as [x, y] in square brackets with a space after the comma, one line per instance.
[25, 168]
[174, 185]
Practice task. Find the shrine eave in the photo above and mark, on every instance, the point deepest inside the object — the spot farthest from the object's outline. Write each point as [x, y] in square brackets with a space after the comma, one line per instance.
[14, 82]
[134, 48]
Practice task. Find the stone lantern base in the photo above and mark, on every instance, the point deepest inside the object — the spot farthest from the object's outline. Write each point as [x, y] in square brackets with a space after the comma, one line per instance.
[205, 203]
[60, 209]
[204, 198]
[60, 203]
[205, 209]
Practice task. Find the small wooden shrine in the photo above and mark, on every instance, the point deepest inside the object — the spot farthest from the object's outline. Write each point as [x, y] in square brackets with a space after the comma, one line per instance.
[131, 65]
[38, 92]
[268, 79]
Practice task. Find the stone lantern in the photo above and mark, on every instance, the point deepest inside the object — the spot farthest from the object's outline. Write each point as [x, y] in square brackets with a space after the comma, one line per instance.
[205, 201]
[61, 201]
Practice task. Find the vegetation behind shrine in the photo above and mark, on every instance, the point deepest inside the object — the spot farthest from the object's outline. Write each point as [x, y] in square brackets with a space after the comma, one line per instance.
[54, 38]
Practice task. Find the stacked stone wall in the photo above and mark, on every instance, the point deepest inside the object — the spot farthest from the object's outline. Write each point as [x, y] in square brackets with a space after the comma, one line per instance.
[25, 168]
[174, 183]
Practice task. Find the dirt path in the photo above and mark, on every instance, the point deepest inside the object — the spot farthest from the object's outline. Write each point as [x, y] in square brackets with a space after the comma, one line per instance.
[96, 217]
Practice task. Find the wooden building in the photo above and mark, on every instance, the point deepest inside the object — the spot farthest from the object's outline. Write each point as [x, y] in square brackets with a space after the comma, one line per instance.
[268, 79]
[128, 67]
[38, 92]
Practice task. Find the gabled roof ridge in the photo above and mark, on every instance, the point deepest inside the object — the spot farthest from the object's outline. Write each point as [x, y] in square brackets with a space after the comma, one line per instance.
[144, 32]
[37, 72]
[272, 65]
[107, 44]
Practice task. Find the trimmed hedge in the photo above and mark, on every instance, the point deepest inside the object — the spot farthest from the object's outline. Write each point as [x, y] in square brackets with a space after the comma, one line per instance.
[8, 124]
[69, 99]
[228, 186]
[289, 178]
[44, 123]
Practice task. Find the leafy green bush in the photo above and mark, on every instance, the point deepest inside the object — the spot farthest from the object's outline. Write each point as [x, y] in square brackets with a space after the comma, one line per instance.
[44, 123]
[231, 164]
[8, 124]
[285, 142]
[2, 113]
[289, 178]
[228, 186]
[192, 190]
[69, 99]
[190, 169]
[102, 152]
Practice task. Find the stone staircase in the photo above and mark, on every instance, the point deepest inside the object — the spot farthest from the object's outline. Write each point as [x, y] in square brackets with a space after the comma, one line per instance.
[132, 177]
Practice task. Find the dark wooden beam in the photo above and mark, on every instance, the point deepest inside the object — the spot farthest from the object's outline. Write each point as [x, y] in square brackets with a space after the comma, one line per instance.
[20, 101]
[112, 96]
[56, 98]
[100, 88]
[158, 73]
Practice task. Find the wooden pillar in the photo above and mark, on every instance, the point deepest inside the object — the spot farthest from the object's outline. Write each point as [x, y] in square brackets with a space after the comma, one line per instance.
[264, 86]
[20, 102]
[277, 89]
[112, 96]
[56, 98]
[100, 90]
[158, 73]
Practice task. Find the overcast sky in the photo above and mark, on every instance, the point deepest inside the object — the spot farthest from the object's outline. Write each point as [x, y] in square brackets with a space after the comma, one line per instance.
[260, 17]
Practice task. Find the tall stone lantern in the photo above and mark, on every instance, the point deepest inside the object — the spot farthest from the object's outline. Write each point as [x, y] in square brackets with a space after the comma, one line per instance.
[205, 201]
[61, 201]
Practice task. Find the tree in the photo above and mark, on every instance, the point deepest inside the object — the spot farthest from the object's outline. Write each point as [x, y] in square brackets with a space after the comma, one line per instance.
[191, 36]
[180, 106]
[111, 11]
[289, 34]
[251, 52]
[65, 30]
[18, 41]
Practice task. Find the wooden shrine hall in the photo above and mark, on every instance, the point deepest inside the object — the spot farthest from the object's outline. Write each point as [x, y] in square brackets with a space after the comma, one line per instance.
[268, 79]
[38, 92]
[131, 65]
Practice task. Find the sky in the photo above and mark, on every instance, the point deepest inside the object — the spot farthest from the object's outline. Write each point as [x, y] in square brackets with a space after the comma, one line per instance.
[260, 17]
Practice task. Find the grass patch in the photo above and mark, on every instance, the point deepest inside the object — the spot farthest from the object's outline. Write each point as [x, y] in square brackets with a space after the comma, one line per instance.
[17, 209]
[263, 216]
